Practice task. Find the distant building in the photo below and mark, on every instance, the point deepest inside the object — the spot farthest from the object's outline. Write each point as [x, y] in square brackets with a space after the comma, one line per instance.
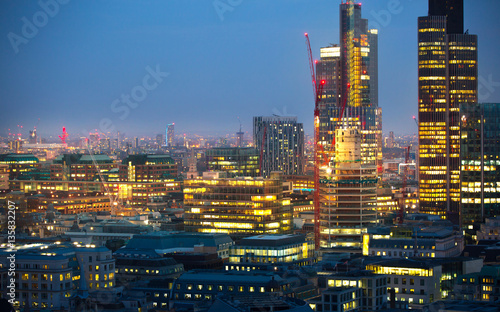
[240, 207]
[236, 161]
[137, 194]
[280, 140]
[159, 140]
[19, 164]
[479, 165]
[170, 135]
[79, 167]
[4, 176]
[147, 168]
[262, 251]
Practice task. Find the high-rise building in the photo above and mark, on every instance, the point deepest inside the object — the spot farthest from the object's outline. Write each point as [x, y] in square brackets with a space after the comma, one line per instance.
[159, 140]
[447, 77]
[240, 207]
[351, 74]
[349, 194]
[283, 148]
[169, 139]
[242, 162]
[479, 165]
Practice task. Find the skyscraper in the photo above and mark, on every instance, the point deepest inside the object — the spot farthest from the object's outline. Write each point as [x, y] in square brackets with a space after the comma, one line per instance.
[351, 74]
[350, 70]
[479, 165]
[447, 76]
[349, 193]
[283, 148]
[169, 139]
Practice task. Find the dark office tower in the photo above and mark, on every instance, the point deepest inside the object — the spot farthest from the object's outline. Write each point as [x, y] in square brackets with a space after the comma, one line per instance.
[351, 74]
[454, 12]
[479, 165]
[283, 148]
[447, 77]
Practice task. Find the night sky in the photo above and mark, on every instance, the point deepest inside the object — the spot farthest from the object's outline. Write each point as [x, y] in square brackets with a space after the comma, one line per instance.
[247, 59]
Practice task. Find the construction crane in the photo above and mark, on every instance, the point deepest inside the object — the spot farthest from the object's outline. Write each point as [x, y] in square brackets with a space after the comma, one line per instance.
[112, 201]
[317, 90]
[403, 191]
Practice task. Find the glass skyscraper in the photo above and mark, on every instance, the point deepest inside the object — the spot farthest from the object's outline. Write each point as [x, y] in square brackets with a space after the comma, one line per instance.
[447, 76]
[479, 164]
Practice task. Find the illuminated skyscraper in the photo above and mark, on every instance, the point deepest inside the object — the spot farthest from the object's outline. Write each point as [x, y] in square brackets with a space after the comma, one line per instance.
[351, 74]
[447, 77]
[283, 148]
[169, 139]
[479, 165]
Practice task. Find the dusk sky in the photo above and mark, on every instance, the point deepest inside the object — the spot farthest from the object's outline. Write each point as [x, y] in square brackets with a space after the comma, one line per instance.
[213, 66]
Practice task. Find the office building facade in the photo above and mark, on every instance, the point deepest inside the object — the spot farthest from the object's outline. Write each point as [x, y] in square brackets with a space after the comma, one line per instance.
[281, 143]
[235, 161]
[170, 135]
[447, 74]
[479, 164]
[240, 207]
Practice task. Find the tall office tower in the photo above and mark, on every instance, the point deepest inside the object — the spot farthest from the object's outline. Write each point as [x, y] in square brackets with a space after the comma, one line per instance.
[283, 148]
[169, 139]
[479, 165]
[240, 207]
[349, 192]
[447, 77]
[390, 142]
[351, 74]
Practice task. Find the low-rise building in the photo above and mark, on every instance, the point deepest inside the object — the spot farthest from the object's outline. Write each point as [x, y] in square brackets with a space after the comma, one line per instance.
[480, 286]
[373, 286]
[266, 302]
[339, 299]
[147, 168]
[260, 252]
[490, 229]
[206, 285]
[415, 240]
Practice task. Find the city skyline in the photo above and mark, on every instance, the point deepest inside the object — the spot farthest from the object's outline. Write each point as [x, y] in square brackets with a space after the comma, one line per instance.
[264, 51]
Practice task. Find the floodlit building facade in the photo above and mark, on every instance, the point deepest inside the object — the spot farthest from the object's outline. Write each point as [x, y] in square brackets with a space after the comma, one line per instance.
[349, 194]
